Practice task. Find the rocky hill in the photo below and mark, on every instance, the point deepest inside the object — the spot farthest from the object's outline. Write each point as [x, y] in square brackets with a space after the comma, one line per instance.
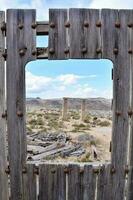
[93, 104]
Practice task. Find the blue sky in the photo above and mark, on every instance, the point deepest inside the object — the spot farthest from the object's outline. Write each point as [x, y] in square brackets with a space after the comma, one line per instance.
[73, 78]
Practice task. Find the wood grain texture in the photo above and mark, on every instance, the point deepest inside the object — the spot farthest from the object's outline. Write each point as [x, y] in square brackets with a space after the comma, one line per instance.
[58, 34]
[89, 183]
[3, 153]
[30, 183]
[121, 104]
[18, 40]
[52, 182]
[84, 41]
[130, 163]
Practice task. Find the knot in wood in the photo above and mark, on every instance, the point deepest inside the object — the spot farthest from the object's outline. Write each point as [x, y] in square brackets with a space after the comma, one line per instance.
[52, 25]
[67, 24]
[115, 51]
[20, 26]
[4, 55]
[19, 114]
[130, 25]
[86, 24]
[96, 170]
[84, 50]
[99, 24]
[117, 24]
[4, 115]
[51, 51]
[3, 26]
[130, 51]
[81, 171]
[98, 50]
[66, 50]
[33, 25]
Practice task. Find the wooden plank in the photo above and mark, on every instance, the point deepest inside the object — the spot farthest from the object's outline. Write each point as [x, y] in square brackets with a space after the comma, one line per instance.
[52, 182]
[58, 34]
[85, 39]
[42, 28]
[30, 189]
[130, 162]
[3, 153]
[74, 183]
[89, 183]
[121, 103]
[20, 44]
[104, 183]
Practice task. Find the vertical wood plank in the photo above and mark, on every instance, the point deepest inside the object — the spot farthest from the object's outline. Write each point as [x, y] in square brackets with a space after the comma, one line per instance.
[3, 153]
[30, 183]
[121, 92]
[89, 183]
[58, 41]
[75, 187]
[85, 39]
[130, 163]
[104, 183]
[20, 43]
[52, 182]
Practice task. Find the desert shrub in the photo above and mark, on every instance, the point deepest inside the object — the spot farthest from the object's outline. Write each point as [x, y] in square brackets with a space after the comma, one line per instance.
[104, 123]
[85, 158]
[39, 121]
[32, 121]
[87, 119]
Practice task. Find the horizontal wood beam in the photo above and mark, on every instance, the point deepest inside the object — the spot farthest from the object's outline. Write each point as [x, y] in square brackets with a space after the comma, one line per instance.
[42, 28]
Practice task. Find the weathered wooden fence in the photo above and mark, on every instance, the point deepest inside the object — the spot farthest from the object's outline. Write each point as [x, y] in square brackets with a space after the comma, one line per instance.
[73, 34]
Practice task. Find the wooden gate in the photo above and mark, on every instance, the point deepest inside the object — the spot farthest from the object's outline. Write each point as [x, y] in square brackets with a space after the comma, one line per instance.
[73, 34]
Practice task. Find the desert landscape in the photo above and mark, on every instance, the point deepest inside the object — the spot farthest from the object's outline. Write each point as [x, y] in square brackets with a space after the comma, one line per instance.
[51, 138]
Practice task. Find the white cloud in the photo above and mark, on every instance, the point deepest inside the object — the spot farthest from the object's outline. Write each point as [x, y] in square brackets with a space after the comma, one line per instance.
[118, 4]
[71, 85]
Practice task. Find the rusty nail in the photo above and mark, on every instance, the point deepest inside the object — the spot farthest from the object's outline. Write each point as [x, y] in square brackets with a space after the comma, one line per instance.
[67, 24]
[21, 52]
[53, 170]
[96, 170]
[66, 170]
[86, 24]
[98, 24]
[98, 50]
[66, 50]
[115, 51]
[84, 50]
[33, 25]
[130, 25]
[117, 25]
[113, 170]
[51, 50]
[4, 55]
[36, 170]
[19, 114]
[4, 115]
[7, 170]
[3, 27]
[130, 112]
[81, 171]
[34, 52]
[52, 25]
[20, 26]
[126, 169]
[24, 170]
[130, 51]
[118, 113]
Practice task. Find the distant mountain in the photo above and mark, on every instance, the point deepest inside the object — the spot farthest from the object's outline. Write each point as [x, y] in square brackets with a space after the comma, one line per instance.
[101, 104]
